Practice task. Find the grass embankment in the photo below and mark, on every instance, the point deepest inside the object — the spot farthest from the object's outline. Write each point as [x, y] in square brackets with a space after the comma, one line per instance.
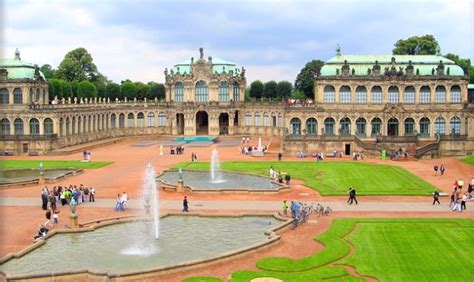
[33, 164]
[335, 178]
[469, 160]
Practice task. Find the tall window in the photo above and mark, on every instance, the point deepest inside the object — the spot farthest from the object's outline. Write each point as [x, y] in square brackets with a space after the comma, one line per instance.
[5, 126]
[376, 94]
[345, 95]
[34, 127]
[18, 124]
[162, 119]
[113, 121]
[440, 94]
[121, 120]
[68, 126]
[345, 126]
[440, 126]
[329, 94]
[4, 96]
[311, 126]
[79, 124]
[73, 125]
[151, 119]
[376, 126]
[17, 96]
[361, 95]
[274, 120]
[409, 96]
[455, 125]
[360, 127]
[329, 126]
[409, 126]
[425, 95]
[236, 91]
[48, 126]
[424, 127]
[201, 91]
[455, 94]
[248, 119]
[130, 120]
[223, 91]
[295, 126]
[140, 120]
[257, 119]
[179, 92]
[393, 95]
[266, 121]
[280, 120]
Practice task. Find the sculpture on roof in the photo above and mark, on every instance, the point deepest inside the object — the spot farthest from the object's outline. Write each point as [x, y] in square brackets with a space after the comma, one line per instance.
[17, 54]
[338, 50]
[440, 68]
[376, 68]
[192, 60]
[166, 72]
[201, 53]
[242, 73]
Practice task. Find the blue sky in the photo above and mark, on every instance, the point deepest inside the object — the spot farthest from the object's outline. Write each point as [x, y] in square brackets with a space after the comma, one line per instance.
[271, 39]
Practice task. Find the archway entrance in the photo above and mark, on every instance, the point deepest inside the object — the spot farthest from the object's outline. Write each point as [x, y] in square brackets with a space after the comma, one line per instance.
[236, 118]
[392, 129]
[202, 123]
[180, 123]
[223, 124]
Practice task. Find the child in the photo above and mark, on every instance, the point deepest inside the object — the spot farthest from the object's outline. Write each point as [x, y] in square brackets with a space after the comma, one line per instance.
[55, 217]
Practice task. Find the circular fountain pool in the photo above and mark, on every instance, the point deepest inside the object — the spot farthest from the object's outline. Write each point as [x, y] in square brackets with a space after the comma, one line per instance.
[124, 247]
[15, 176]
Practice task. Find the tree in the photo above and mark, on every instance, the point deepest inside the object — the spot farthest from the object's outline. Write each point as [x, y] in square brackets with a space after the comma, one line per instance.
[112, 91]
[156, 90]
[284, 89]
[77, 65]
[66, 89]
[47, 71]
[100, 82]
[297, 94]
[465, 64]
[256, 89]
[270, 89]
[74, 85]
[305, 79]
[86, 89]
[417, 45]
[129, 90]
[142, 90]
[54, 89]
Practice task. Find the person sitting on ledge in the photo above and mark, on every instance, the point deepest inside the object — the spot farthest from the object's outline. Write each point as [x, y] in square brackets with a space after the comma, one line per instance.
[43, 231]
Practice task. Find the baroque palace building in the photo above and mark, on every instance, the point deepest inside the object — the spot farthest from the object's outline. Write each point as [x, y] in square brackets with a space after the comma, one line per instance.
[368, 103]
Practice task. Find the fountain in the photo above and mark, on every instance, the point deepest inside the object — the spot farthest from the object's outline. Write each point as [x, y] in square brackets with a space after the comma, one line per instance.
[216, 176]
[150, 196]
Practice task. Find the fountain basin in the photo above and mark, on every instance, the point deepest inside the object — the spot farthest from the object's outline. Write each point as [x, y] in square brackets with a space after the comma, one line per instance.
[199, 181]
[31, 176]
[184, 241]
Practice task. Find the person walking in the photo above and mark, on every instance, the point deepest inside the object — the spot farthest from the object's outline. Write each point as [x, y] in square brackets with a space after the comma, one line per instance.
[353, 196]
[92, 195]
[350, 194]
[442, 169]
[435, 168]
[463, 202]
[436, 197]
[280, 155]
[185, 204]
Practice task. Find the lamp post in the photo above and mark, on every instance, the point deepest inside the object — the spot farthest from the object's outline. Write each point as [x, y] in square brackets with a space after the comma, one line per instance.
[180, 187]
[41, 167]
[41, 173]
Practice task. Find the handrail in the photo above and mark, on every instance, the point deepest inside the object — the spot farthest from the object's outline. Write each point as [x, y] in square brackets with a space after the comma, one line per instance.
[428, 148]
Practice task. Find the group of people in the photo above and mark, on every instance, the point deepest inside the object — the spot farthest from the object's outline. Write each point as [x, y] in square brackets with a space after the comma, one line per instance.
[357, 156]
[395, 155]
[352, 196]
[458, 198]
[179, 150]
[194, 157]
[65, 195]
[278, 177]
[246, 148]
[87, 155]
[121, 203]
[441, 169]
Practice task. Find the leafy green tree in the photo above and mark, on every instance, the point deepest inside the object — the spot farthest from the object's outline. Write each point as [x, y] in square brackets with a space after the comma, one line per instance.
[77, 65]
[129, 90]
[156, 90]
[66, 89]
[100, 82]
[86, 89]
[47, 70]
[74, 85]
[417, 45]
[142, 90]
[297, 94]
[465, 64]
[305, 79]
[256, 89]
[113, 91]
[284, 89]
[54, 89]
[270, 89]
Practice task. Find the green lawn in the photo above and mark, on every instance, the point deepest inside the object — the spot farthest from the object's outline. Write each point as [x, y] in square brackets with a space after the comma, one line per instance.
[29, 164]
[469, 160]
[335, 178]
[387, 249]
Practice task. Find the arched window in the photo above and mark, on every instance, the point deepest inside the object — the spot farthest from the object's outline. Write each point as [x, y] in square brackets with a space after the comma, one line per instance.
[84, 124]
[376, 94]
[141, 119]
[113, 121]
[30, 96]
[265, 119]
[61, 127]
[425, 95]
[345, 95]
[73, 125]
[329, 94]
[274, 120]
[440, 126]
[311, 126]
[280, 120]
[257, 119]
[345, 124]
[223, 91]
[201, 91]
[179, 92]
[48, 126]
[455, 94]
[409, 126]
[162, 119]
[455, 125]
[248, 118]
[393, 95]
[329, 126]
[392, 127]
[361, 95]
[5, 126]
[121, 120]
[4, 96]
[34, 127]
[376, 126]
[68, 126]
[236, 91]
[440, 94]
[17, 96]
[424, 127]
[79, 124]
[151, 119]
[19, 127]
[409, 96]
[295, 126]
[130, 120]
[360, 127]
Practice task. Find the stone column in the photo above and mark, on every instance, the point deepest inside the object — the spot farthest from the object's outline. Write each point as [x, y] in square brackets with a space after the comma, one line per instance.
[231, 123]
[10, 96]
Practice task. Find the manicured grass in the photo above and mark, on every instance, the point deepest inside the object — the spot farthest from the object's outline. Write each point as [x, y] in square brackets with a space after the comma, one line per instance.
[30, 164]
[335, 178]
[202, 279]
[469, 160]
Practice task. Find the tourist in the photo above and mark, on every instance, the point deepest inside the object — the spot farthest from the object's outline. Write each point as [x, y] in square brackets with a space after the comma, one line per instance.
[48, 217]
[287, 179]
[463, 202]
[56, 217]
[43, 231]
[460, 184]
[185, 204]
[124, 200]
[52, 201]
[272, 173]
[457, 205]
[92, 195]
[350, 194]
[44, 199]
[470, 187]
[280, 178]
[435, 168]
[453, 195]
[353, 196]
[442, 169]
[436, 197]
[285, 208]
[85, 155]
[118, 203]
[280, 155]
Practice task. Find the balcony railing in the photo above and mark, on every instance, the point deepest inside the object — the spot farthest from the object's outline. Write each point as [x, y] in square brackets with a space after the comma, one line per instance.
[44, 137]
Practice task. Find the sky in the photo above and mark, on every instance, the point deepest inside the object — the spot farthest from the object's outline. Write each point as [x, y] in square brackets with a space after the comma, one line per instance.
[273, 40]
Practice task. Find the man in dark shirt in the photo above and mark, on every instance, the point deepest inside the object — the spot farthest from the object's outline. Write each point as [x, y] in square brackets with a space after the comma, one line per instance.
[185, 204]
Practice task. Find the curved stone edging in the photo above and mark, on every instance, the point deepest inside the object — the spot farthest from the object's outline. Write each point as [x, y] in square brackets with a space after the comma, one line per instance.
[272, 233]
[36, 181]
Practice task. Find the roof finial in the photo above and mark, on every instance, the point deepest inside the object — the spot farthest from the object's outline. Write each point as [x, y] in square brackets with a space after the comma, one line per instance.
[338, 50]
[17, 54]
[201, 53]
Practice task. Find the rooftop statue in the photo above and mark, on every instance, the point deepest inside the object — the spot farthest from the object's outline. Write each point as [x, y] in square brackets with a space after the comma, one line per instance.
[201, 53]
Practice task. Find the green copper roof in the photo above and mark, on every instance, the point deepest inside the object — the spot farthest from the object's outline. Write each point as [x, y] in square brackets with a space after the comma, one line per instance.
[218, 66]
[17, 69]
[361, 63]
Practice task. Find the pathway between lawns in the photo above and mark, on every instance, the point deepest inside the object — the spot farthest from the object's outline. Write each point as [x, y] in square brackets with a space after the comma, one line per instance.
[247, 206]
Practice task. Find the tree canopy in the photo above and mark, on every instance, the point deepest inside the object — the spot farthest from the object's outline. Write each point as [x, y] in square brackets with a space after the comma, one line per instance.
[270, 89]
[113, 91]
[305, 79]
[86, 89]
[47, 71]
[284, 89]
[77, 65]
[256, 89]
[417, 45]
[129, 90]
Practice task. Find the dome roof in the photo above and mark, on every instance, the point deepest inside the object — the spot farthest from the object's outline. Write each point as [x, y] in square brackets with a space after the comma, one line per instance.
[18, 69]
[218, 65]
